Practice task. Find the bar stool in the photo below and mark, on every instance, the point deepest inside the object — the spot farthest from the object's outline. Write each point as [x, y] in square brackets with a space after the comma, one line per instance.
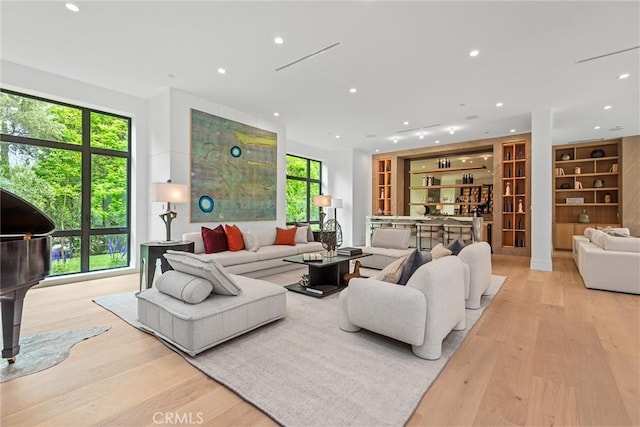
[453, 231]
[431, 232]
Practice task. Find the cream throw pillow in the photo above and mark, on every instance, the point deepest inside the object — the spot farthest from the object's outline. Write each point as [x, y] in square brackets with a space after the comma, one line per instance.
[392, 272]
[251, 242]
[210, 270]
[301, 234]
[439, 251]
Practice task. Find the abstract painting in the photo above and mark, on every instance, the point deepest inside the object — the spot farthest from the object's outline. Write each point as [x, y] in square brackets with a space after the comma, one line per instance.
[233, 170]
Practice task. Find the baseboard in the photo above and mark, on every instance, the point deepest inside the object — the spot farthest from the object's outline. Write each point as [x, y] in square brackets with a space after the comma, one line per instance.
[542, 264]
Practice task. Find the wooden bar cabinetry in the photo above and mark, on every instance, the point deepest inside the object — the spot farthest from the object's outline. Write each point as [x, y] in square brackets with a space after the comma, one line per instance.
[515, 197]
[382, 201]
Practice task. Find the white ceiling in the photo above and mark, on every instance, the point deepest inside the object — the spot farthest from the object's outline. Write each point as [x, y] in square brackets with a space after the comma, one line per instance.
[408, 60]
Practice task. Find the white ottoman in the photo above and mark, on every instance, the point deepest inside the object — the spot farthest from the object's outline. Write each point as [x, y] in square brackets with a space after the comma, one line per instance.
[194, 328]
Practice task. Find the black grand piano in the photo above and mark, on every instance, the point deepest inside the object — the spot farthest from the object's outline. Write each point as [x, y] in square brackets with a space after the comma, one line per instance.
[25, 259]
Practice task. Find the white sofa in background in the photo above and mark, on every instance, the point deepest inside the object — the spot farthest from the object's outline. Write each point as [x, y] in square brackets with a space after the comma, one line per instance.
[608, 262]
[387, 245]
[265, 261]
[422, 313]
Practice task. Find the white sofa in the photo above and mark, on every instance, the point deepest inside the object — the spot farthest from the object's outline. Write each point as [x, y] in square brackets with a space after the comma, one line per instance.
[422, 313]
[608, 262]
[387, 245]
[265, 261]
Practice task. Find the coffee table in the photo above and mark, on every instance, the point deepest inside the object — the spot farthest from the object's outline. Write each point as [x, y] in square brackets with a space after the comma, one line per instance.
[325, 277]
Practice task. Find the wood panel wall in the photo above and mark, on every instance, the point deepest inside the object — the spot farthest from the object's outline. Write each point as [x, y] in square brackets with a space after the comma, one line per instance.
[631, 184]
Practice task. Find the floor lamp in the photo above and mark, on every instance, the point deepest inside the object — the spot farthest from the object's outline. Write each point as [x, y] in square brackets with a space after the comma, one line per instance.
[322, 201]
[168, 193]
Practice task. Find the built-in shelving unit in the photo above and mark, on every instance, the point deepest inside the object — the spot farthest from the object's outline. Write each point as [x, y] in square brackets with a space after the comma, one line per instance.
[586, 178]
[383, 187]
[514, 195]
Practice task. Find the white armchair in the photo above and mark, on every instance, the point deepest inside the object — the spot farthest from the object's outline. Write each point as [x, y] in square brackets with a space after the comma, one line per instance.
[478, 257]
[422, 313]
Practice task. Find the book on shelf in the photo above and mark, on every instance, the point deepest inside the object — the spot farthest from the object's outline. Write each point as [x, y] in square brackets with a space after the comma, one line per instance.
[349, 251]
[312, 257]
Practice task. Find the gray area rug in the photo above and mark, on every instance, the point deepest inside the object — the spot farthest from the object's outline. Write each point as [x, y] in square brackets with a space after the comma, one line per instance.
[304, 371]
[43, 351]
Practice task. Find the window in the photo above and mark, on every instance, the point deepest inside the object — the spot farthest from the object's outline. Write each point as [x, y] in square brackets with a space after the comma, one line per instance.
[73, 163]
[304, 180]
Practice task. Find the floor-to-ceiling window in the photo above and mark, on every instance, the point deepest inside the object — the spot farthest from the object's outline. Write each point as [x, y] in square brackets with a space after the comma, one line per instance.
[304, 180]
[74, 164]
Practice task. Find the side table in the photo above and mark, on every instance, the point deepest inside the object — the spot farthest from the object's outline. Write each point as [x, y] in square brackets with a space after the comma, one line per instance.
[150, 252]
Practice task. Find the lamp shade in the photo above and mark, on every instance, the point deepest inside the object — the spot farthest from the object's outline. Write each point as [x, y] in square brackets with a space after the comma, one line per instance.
[336, 203]
[170, 192]
[322, 201]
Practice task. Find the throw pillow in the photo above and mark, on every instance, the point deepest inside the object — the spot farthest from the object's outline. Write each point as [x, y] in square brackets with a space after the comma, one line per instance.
[235, 242]
[214, 240]
[392, 272]
[185, 287]
[439, 251]
[286, 236]
[251, 242]
[414, 261]
[456, 246]
[310, 237]
[210, 270]
[302, 234]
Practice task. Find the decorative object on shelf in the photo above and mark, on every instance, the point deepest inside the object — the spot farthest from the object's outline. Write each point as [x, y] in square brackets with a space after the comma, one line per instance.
[304, 280]
[578, 185]
[614, 168]
[507, 191]
[577, 170]
[169, 193]
[322, 201]
[597, 153]
[565, 157]
[520, 154]
[425, 182]
[565, 186]
[520, 210]
[559, 171]
[598, 183]
[607, 198]
[583, 218]
[421, 210]
[575, 200]
[508, 154]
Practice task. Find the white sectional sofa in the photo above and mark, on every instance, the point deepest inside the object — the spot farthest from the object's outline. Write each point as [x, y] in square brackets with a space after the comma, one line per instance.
[387, 245]
[608, 262]
[266, 260]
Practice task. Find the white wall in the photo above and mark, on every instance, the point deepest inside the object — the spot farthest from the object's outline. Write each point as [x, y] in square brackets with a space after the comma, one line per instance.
[39, 83]
[171, 159]
[541, 194]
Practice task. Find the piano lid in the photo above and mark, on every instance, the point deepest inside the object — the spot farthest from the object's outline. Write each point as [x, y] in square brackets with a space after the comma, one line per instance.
[19, 217]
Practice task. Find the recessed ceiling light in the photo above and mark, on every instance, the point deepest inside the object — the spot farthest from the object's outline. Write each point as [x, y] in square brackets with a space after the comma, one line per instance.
[72, 7]
[377, 151]
[452, 131]
[596, 127]
[499, 104]
[623, 76]
[607, 107]
[470, 161]
[353, 90]
[395, 140]
[337, 136]
[474, 52]
[486, 158]
[222, 70]
[405, 123]
[278, 40]
[437, 142]
[464, 160]
[421, 136]
[512, 130]
[276, 114]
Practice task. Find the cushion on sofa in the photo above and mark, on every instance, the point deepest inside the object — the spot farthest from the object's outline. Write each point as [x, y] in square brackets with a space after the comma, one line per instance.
[597, 238]
[392, 238]
[251, 242]
[301, 234]
[414, 261]
[310, 237]
[439, 251]
[235, 242]
[210, 270]
[185, 287]
[622, 244]
[276, 251]
[214, 240]
[392, 273]
[286, 236]
[455, 246]
[588, 232]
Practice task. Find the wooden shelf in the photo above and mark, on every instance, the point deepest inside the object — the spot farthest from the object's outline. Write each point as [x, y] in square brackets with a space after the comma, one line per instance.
[448, 203]
[435, 187]
[587, 174]
[562, 162]
[472, 168]
[587, 204]
[564, 190]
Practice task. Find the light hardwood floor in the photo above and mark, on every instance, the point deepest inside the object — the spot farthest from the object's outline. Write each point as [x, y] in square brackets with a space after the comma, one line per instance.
[547, 351]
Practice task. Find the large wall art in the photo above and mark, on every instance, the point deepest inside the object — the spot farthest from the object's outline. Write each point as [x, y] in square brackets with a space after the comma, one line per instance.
[233, 170]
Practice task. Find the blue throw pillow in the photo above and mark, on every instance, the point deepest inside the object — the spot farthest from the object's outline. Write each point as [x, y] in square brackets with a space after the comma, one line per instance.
[415, 260]
[456, 246]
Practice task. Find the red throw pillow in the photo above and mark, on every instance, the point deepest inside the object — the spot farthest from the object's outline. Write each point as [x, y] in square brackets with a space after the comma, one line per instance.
[286, 236]
[214, 239]
[234, 238]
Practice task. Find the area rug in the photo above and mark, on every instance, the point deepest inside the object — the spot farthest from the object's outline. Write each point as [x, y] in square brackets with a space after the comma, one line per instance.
[42, 351]
[304, 371]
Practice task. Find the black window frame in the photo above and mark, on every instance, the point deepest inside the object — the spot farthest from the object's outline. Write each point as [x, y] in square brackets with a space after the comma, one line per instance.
[308, 180]
[86, 231]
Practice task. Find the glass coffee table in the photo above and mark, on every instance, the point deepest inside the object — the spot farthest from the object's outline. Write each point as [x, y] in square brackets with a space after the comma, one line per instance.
[325, 277]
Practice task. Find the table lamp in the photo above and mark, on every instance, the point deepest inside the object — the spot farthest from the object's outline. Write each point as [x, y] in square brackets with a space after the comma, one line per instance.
[168, 193]
[322, 201]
